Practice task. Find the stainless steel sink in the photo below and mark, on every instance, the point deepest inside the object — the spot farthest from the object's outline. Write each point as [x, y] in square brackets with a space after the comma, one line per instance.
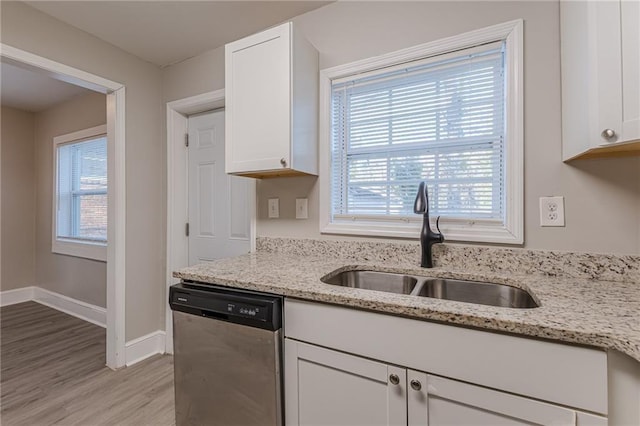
[482, 293]
[370, 280]
[476, 292]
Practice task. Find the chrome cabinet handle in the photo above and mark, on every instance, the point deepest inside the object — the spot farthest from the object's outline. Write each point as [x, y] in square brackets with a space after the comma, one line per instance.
[394, 379]
[283, 162]
[608, 134]
[416, 385]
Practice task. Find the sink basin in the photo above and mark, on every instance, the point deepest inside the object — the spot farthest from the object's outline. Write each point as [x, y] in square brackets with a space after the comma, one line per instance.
[476, 292]
[370, 280]
[482, 293]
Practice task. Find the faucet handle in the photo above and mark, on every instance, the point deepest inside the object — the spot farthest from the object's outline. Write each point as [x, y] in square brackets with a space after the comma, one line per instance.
[438, 228]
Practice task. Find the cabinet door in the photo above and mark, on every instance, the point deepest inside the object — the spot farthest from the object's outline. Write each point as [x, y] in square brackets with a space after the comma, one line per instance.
[600, 45]
[436, 401]
[606, 101]
[630, 16]
[325, 387]
[258, 99]
[615, 55]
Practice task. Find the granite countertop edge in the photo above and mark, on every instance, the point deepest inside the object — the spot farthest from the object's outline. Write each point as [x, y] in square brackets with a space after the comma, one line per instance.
[602, 314]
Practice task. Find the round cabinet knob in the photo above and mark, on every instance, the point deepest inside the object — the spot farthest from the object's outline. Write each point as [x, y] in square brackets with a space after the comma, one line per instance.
[608, 134]
[283, 162]
[416, 385]
[394, 379]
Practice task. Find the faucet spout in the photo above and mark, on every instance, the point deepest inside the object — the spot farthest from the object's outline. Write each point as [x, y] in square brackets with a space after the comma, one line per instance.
[427, 236]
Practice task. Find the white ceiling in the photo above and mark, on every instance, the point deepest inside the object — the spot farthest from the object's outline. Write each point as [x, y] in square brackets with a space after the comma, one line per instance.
[32, 91]
[166, 32]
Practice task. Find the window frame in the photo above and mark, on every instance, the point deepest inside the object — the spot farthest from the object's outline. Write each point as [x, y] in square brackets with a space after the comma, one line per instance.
[95, 250]
[474, 230]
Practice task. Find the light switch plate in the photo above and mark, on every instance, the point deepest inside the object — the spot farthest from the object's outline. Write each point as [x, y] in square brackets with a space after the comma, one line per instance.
[274, 208]
[302, 208]
[551, 211]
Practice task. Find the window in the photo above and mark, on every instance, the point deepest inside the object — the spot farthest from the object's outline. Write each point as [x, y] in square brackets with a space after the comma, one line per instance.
[80, 208]
[447, 113]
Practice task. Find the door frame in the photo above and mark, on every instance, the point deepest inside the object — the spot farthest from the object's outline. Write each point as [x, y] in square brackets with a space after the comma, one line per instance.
[177, 190]
[116, 192]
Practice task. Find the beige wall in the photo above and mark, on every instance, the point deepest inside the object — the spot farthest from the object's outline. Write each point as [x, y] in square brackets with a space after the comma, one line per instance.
[80, 279]
[202, 73]
[18, 200]
[602, 196]
[28, 29]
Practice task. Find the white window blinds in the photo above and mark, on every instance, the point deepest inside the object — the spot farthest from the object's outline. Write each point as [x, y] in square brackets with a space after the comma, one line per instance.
[440, 120]
[82, 190]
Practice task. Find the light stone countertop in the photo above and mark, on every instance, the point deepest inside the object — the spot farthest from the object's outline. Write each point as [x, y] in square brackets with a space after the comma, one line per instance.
[604, 314]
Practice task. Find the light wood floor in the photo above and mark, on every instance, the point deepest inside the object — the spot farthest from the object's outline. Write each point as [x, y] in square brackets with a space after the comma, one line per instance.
[53, 372]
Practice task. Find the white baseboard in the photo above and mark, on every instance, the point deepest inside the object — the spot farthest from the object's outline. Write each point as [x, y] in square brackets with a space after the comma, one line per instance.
[143, 347]
[19, 295]
[85, 311]
[94, 314]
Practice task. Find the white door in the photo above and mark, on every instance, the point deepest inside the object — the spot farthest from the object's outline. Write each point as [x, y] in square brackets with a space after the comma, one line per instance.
[325, 387]
[221, 206]
[436, 401]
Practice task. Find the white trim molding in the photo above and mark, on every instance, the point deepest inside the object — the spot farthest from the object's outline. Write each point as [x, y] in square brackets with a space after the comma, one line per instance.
[85, 311]
[78, 248]
[18, 295]
[116, 229]
[59, 71]
[509, 232]
[116, 193]
[144, 347]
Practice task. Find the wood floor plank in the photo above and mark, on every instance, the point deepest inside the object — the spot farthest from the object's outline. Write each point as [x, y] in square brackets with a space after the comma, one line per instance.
[52, 372]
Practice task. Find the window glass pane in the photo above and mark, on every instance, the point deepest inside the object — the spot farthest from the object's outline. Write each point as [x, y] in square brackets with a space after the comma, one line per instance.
[90, 167]
[441, 122]
[82, 190]
[92, 221]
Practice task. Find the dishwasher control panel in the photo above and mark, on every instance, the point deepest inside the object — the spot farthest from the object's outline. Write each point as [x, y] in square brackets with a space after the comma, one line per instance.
[246, 310]
[243, 307]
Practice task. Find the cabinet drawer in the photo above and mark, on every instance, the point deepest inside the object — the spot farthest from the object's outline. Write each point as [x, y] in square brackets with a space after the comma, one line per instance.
[569, 375]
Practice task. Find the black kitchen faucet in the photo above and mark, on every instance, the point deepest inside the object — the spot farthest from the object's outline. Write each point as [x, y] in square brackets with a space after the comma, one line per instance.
[427, 237]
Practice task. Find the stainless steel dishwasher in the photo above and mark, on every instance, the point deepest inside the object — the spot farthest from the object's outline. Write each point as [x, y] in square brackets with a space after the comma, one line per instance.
[227, 355]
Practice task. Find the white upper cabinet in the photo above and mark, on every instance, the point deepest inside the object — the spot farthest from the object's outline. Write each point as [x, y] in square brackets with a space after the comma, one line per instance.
[271, 102]
[600, 42]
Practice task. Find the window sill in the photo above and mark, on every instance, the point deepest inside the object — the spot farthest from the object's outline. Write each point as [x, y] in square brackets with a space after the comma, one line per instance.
[453, 230]
[86, 250]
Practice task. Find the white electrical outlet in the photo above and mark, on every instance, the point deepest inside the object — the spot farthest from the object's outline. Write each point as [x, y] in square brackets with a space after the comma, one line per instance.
[551, 211]
[274, 208]
[302, 210]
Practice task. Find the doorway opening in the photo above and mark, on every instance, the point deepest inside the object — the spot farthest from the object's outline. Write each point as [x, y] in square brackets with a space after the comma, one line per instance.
[116, 213]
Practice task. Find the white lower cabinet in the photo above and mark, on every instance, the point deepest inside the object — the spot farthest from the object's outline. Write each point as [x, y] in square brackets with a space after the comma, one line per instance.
[434, 400]
[353, 367]
[327, 387]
